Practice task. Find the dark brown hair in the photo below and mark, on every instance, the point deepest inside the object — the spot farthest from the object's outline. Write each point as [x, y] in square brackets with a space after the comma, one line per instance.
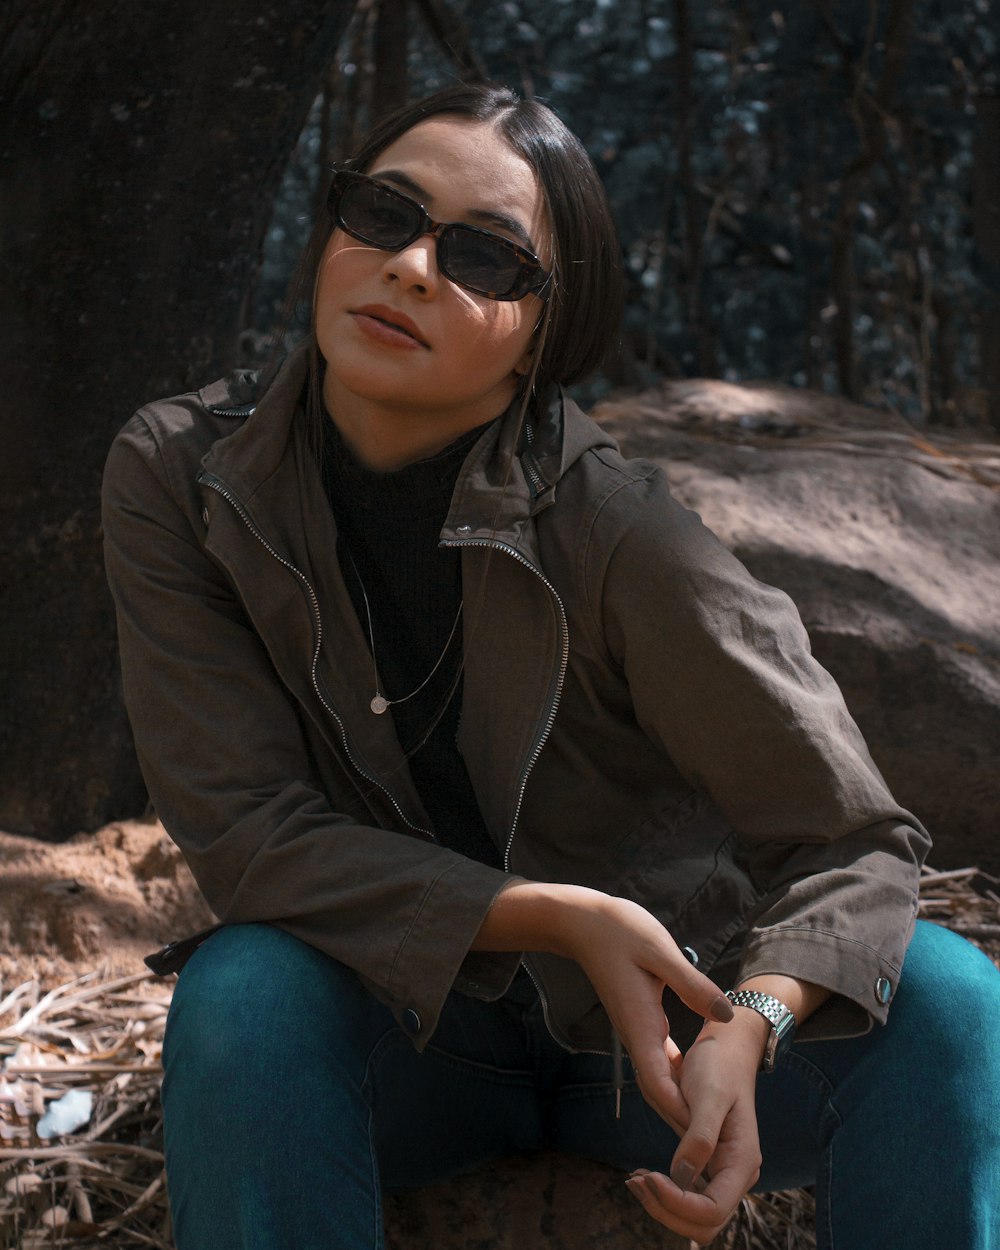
[583, 310]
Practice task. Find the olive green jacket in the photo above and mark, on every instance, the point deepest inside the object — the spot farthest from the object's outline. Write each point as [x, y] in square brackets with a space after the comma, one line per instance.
[639, 715]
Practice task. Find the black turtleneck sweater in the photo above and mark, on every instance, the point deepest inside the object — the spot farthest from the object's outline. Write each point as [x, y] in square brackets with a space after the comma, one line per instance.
[388, 528]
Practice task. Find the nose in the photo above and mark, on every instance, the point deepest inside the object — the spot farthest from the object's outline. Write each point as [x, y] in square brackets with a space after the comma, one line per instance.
[414, 267]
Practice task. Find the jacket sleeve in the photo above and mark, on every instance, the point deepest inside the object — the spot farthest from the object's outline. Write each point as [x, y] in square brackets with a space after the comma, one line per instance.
[721, 674]
[229, 771]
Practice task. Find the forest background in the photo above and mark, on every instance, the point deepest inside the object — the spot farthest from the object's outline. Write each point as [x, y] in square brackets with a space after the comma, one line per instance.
[807, 192]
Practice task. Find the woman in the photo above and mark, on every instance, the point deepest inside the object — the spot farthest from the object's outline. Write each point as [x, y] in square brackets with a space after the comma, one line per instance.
[424, 675]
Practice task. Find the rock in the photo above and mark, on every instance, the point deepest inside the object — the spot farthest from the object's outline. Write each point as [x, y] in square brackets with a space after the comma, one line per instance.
[537, 1202]
[887, 538]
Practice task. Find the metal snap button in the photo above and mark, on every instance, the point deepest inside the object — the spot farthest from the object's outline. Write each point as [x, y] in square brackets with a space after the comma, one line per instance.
[465, 529]
[691, 955]
[411, 1022]
[883, 990]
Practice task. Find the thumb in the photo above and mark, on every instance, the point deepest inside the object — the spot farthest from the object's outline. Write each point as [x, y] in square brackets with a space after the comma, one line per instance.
[698, 1143]
[695, 989]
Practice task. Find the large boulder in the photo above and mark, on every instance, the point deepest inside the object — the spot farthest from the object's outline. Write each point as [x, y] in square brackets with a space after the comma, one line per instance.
[887, 539]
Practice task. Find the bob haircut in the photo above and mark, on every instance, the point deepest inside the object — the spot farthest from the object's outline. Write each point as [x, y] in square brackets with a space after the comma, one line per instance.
[583, 310]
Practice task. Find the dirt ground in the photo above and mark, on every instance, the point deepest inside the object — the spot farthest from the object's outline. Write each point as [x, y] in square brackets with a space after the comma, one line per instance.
[99, 901]
[102, 901]
[76, 916]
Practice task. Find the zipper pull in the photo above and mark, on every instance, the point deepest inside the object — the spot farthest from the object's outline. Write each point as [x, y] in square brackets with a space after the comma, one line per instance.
[618, 1071]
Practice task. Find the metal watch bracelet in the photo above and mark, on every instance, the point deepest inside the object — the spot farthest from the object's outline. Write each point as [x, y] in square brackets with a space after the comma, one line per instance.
[779, 1017]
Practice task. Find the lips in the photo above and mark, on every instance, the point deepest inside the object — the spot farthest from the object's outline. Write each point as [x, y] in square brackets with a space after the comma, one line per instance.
[393, 318]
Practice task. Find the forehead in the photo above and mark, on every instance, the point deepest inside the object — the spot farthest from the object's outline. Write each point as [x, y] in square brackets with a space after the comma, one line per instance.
[465, 165]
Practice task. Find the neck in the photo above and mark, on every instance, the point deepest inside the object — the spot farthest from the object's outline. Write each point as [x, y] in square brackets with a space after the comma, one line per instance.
[384, 438]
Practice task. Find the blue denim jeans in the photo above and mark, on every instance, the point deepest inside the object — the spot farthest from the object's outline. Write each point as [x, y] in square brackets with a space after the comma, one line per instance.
[291, 1099]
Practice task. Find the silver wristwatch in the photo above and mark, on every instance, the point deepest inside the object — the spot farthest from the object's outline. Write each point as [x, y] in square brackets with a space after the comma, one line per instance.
[775, 1012]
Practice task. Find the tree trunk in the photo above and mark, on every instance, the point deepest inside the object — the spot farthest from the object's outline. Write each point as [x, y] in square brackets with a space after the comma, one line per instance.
[390, 88]
[870, 110]
[986, 225]
[697, 311]
[141, 147]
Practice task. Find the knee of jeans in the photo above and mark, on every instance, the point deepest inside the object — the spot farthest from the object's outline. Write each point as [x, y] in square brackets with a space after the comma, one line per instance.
[252, 997]
[954, 991]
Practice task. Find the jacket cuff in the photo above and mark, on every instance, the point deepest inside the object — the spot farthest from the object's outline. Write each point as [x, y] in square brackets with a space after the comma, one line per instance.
[425, 970]
[863, 982]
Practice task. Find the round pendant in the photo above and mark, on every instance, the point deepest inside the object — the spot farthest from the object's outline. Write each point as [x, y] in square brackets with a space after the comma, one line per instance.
[379, 704]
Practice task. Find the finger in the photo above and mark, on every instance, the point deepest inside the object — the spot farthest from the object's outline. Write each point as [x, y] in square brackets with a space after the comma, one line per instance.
[699, 1186]
[689, 1214]
[698, 1143]
[675, 1056]
[735, 1161]
[659, 1086]
[730, 1184]
[696, 990]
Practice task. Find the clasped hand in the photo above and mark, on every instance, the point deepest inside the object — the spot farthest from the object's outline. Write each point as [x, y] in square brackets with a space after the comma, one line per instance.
[706, 1095]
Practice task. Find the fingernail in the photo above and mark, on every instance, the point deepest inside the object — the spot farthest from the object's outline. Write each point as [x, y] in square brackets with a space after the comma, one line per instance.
[722, 1008]
[682, 1174]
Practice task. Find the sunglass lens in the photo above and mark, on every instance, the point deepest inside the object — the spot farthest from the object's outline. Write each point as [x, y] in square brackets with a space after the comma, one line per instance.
[479, 262]
[377, 215]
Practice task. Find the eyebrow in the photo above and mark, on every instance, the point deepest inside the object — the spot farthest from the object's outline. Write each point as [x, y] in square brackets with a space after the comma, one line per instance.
[481, 216]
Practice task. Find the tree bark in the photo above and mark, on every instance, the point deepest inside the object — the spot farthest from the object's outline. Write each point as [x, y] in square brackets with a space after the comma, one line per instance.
[694, 226]
[390, 87]
[869, 110]
[986, 227]
[452, 35]
[141, 147]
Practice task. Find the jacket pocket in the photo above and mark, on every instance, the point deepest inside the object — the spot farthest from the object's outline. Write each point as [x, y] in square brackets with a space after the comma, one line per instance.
[685, 866]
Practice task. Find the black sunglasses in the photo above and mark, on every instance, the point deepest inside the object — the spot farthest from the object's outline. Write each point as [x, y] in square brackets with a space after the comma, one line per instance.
[479, 260]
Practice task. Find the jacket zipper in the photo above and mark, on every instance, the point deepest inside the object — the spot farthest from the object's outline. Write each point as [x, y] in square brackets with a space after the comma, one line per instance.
[530, 465]
[550, 720]
[563, 665]
[220, 488]
[616, 1052]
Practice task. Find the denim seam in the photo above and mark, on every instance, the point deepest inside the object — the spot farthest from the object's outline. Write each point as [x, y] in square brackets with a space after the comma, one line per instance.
[378, 1220]
[587, 1089]
[378, 1230]
[500, 1076]
[824, 1184]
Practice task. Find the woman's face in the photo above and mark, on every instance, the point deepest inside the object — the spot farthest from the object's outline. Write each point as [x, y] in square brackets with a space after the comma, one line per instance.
[402, 343]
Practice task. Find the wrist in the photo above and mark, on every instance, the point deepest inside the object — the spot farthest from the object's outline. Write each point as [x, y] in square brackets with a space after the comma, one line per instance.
[801, 998]
[536, 916]
[745, 1036]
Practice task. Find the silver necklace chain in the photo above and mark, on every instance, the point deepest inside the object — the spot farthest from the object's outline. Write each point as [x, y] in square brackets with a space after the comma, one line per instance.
[379, 703]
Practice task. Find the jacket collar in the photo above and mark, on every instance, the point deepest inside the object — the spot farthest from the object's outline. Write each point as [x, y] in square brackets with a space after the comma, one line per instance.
[509, 477]
[250, 456]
